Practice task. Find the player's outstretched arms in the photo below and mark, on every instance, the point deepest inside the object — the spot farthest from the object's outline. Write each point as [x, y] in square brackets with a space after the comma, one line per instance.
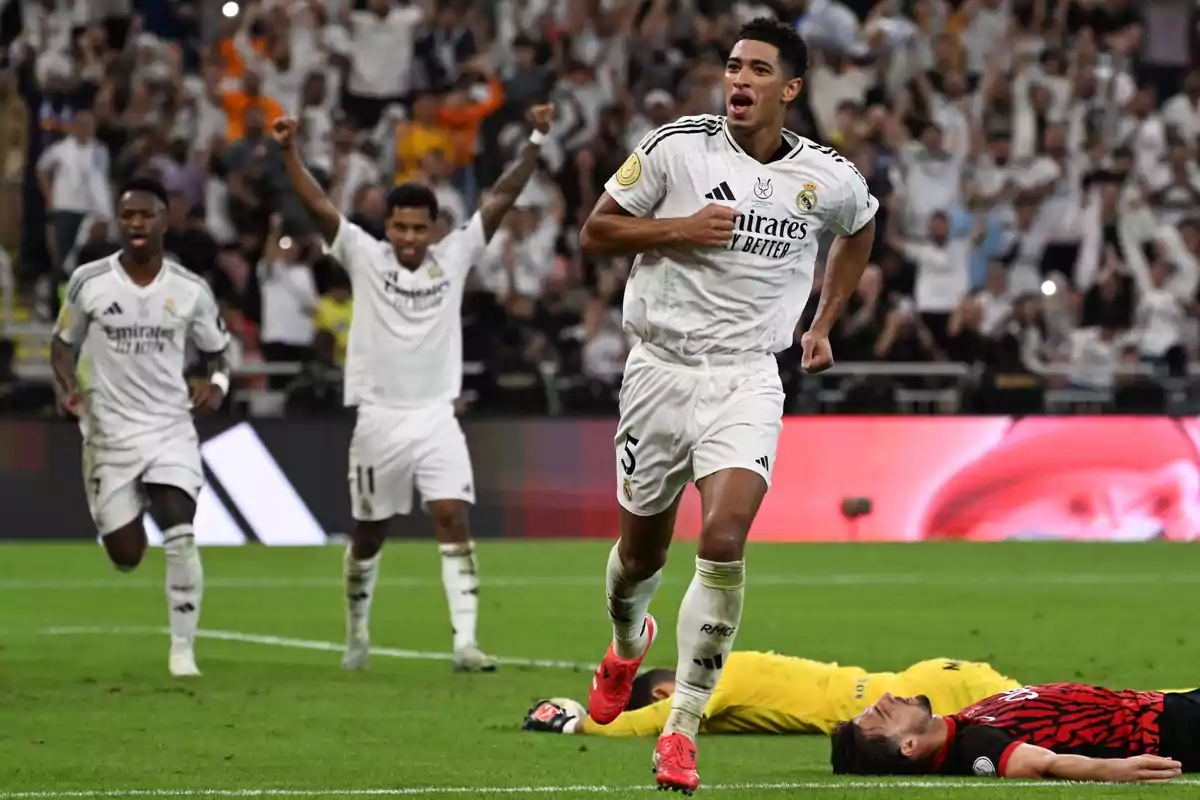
[318, 206]
[62, 363]
[1028, 761]
[508, 187]
[611, 230]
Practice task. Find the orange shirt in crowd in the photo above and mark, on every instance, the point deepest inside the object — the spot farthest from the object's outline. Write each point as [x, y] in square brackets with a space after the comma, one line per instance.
[236, 104]
[235, 65]
[463, 122]
[413, 141]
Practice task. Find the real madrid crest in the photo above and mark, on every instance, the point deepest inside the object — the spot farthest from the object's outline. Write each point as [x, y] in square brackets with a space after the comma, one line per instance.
[630, 171]
[435, 271]
[806, 201]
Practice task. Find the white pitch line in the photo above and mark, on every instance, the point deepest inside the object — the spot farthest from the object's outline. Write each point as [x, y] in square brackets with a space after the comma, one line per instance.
[305, 644]
[419, 791]
[825, 580]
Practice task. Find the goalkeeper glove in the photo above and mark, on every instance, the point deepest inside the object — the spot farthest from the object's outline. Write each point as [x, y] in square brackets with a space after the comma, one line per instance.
[558, 715]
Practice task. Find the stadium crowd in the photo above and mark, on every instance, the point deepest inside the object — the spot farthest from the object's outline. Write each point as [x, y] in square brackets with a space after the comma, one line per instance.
[1035, 161]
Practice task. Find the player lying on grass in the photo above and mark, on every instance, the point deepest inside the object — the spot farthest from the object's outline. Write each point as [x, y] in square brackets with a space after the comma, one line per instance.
[770, 693]
[1058, 730]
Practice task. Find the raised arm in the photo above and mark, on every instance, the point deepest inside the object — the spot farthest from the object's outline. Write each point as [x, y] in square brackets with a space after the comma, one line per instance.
[314, 200]
[508, 187]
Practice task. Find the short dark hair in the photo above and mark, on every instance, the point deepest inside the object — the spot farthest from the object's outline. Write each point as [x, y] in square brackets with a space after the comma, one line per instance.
[793, 52]
[856, 753]
[643, 687]
[146, 184]
[412, 195]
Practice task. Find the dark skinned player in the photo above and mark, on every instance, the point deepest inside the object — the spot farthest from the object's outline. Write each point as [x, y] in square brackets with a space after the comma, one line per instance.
[724, 214]
[129, 318]
[404, 373]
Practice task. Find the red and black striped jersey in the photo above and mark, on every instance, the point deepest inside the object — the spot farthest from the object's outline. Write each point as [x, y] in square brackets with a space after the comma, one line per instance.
[1068, 718]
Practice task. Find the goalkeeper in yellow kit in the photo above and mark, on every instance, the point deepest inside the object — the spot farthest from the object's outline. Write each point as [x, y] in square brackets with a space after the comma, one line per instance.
[770, 693]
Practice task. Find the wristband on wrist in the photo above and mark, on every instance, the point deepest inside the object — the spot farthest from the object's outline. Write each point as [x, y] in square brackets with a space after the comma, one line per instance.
[221, 381]
[537, 138]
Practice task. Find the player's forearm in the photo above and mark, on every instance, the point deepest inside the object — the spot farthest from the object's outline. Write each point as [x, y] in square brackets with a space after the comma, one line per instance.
[216, 363]
[1080, 768]
[311, 197]
[618, 234]
[62, 363]
[848, 257]
[508, 187]
[646, 721]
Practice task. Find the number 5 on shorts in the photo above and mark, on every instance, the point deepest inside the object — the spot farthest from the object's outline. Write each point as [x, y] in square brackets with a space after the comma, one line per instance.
[631, 465]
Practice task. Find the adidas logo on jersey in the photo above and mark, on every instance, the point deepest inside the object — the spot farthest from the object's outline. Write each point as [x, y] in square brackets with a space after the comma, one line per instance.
[721, 192]
[115, 308]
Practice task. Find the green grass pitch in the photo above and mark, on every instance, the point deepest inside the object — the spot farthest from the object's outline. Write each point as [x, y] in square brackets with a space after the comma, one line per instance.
[86, 706]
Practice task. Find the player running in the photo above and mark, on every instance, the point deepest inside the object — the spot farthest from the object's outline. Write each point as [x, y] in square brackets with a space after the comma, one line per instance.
[404, 372]
[771, 693]
[130, 316]
[1058, 730]
[725, 214]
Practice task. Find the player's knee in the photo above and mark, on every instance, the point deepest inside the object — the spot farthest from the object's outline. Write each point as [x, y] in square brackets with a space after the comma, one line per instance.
[640, 562]
[451, 524]
[723, 536]
[366, 540]
[126, 547]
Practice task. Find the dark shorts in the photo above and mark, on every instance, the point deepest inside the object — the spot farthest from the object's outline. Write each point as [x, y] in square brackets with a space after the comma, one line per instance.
[1179, 729]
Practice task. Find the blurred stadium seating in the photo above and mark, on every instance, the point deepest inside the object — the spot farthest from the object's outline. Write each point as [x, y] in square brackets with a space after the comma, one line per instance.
[1036, 161]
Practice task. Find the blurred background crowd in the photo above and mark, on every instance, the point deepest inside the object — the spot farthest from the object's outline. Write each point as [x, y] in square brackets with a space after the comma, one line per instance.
[1038, 241]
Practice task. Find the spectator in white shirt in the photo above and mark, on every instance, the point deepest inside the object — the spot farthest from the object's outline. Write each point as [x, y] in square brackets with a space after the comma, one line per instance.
[316, 123]
[994, 300]
[604, 345]
[943, 266]
[289, 299]
[659, 108]
[1174, 185]
[1095, 356]
[382, 39]
[1160, 317]
[1142, 130]
[1182, 112]
[73, 176]
[435, 171]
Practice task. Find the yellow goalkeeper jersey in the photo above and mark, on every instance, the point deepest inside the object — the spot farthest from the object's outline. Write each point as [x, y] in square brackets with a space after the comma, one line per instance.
[770, 693]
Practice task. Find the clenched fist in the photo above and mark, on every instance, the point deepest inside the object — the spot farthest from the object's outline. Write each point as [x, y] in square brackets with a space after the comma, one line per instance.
[541, 116]
[284, 130]
[711, 226]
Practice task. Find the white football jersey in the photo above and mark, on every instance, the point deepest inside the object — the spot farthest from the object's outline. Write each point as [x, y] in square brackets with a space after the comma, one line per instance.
[405, 348]
[747, 297]
[133, 346]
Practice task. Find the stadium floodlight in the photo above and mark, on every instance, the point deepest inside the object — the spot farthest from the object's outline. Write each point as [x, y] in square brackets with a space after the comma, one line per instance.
[230, 9]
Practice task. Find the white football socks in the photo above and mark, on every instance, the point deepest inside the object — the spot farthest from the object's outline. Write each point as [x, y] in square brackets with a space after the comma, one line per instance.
[628, 603]
[460, 577]
[185, 583]
[708, 622]
[359, 576]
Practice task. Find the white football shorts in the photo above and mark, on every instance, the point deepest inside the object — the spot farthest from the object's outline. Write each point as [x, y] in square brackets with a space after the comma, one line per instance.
[685, 418]
[113, 476]
[394, 451]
